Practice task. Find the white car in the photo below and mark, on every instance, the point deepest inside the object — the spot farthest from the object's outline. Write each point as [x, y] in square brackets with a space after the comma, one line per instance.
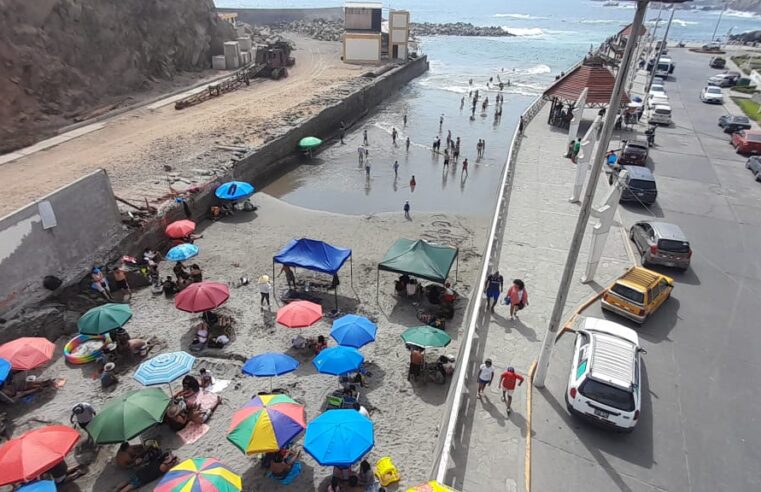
[654, 100]
[657, 89]
[660, 114]
[712, 94]
[604, 384]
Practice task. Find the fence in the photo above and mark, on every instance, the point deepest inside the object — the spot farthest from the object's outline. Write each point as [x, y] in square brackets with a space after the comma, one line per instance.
[443, 449]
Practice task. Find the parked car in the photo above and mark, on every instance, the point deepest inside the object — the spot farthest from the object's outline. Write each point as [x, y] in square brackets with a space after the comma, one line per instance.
[717, 62]
[754, 164]
[723, 80]
[654, 100]
[657, 89]
[732, 124]
[634, 153]
[637, 294]
[660, 114]
[661, 243]
[604, 386]
[640, 186]
[712, 94]
[747, 141]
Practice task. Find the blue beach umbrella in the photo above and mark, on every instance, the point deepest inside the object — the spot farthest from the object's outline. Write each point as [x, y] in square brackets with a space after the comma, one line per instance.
[353, 331]
[234, 190]
[339, 438]
[269, 364]
[39, 486]
[164, 368]
[5, 369]
[338, 360]
[182, 252]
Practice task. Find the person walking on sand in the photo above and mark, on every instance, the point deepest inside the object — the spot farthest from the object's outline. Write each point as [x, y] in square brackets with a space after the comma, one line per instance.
[406, 209]
[396, 169]
[507, 383]
[493, 287]
[265, 288]
[478, 148]
[485, 376]
[517, 297]
[407, 144]
[364, 136]
[393, 135]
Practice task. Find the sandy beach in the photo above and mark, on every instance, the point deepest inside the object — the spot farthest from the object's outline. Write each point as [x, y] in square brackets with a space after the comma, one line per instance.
[405, 415]
[135, 147]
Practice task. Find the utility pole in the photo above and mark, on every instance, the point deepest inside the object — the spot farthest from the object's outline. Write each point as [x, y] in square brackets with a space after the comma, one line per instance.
[655, 30]
[657, 58]
[586, 206]
[713, 36]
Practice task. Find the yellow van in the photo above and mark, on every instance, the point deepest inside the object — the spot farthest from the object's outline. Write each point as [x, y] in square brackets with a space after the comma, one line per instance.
[637, 293]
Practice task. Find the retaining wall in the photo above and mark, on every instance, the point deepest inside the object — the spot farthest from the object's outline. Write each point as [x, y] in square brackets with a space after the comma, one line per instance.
[87, 223]
[274, 16]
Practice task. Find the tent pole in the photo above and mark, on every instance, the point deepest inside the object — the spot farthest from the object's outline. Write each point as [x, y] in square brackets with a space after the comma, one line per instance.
[335, 293]
[274, 290]
[351, 270]
[377, 285]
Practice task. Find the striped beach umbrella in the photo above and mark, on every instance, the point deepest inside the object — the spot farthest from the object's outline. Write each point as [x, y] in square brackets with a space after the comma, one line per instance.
[164, 368]
[266, 423]
[200, 475]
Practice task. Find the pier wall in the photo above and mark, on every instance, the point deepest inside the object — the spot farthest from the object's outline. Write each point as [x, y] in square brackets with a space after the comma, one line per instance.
[274, 16]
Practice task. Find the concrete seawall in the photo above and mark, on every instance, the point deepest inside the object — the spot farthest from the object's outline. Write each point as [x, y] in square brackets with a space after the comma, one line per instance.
[273, 16]
[270, 161]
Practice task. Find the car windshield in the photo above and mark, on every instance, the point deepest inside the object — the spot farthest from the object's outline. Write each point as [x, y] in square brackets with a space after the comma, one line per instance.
[674, 246]
[657, 88]
[713, 90]
[636, 147]
[753, 137]
[642, 184]
[628, 293]
[740, 119]
[608, 395]
[662, 111]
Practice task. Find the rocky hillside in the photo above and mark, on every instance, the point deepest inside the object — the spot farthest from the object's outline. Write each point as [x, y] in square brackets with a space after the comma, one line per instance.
[746, 5]
[61, 59]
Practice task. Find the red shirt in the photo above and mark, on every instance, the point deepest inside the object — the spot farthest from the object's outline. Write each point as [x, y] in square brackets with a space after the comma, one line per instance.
[508, 379]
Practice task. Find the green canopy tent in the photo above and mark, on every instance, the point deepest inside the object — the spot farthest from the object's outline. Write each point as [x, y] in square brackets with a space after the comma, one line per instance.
[419, 258]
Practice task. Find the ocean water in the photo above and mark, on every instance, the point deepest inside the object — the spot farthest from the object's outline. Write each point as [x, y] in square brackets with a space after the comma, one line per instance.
[551, 35]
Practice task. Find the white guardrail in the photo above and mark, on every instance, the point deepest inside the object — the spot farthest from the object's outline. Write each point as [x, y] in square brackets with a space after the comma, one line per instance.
[448, 425]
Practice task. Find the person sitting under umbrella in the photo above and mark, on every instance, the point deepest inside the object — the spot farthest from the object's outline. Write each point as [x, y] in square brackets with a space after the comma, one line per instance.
[61, 473]
[169, 287]
[30, 387]
[196, 275]
[182, 274]
[130, 455]
[282, 461]
[149, 472]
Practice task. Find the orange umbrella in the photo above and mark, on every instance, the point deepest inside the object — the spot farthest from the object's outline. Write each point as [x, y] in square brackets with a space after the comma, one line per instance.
[299, 314]
[27, 352]
[35, 452]
[180, 228]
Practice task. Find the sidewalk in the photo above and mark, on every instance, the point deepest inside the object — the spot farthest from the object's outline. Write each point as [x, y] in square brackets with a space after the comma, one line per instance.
[492, 447]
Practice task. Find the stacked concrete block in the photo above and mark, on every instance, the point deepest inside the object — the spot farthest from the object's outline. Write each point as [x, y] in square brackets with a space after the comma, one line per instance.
[218, 62]
[245, 43]
[232, 55]
[245, 57]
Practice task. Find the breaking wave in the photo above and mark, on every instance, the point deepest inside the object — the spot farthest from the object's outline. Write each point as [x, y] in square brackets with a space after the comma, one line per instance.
[600, 21]
[524, 31]
[738, 13]
[520, 16]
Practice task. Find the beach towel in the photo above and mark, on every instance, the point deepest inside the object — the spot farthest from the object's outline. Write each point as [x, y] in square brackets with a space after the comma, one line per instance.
[295, 471]
[192, 432]
[218, 386]
[205, 400]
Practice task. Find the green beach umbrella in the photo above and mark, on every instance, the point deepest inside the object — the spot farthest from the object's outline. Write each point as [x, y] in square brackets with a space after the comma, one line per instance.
[128, 415]
[426, 336]
[102, 319]
[309, 142]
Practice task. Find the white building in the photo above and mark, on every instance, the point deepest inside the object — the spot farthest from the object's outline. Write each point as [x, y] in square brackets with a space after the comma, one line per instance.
[363, 38]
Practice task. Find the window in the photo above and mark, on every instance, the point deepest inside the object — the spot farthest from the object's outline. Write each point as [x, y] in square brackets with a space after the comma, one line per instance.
[608, 395]
[753, 137]
[628, 293]
[641, 184]
[674, 246]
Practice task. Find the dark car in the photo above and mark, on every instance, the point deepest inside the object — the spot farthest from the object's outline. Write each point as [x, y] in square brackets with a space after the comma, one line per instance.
[717, 62]
[634, 153]
[661, 243]
[640, 186]
[754, 164]
[732, 124]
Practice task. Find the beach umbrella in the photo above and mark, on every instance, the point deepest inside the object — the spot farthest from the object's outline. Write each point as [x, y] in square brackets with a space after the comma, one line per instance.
[339, 437]
[200, 475]
[309, 142]
[102, 319]
[201, 296]
[164, 368]
[182, 252]
[338, 360]
[353, 331]
[35, 452]
[299, 314]
[27, 352]
[234, 190]
[426, 336]
[128, 415]
[270, 364]
[5, 369]
[431, 486]
[180, 228]
[39, 486]
[266, 423]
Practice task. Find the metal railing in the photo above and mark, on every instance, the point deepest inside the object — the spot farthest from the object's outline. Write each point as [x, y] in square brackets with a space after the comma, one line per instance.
[489, 262]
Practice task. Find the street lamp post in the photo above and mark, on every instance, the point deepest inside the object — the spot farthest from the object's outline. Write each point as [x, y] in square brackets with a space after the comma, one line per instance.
[658, 55]
[586, 206]
[713, 36]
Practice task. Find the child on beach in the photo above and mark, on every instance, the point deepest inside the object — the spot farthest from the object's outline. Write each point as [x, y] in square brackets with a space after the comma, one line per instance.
[485, 376]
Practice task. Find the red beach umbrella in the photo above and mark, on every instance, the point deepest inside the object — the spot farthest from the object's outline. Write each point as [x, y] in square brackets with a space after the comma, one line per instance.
[299, 314]
[202, 296]
[180, 228]
[27, 352]
[35, 452]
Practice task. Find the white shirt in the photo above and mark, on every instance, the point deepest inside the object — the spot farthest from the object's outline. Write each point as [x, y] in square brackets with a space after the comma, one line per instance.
[485, 373]
[265, 288]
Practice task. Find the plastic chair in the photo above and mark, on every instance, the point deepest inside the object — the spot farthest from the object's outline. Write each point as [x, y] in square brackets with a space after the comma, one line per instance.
[386, 472]
[333, 402]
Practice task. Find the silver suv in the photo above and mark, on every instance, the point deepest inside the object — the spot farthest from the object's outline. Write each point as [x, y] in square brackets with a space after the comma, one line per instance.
[661, 243]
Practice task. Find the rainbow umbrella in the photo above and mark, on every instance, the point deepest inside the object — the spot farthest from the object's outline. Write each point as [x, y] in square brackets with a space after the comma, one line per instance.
[200, 475]
[266, 423]
[432, 486]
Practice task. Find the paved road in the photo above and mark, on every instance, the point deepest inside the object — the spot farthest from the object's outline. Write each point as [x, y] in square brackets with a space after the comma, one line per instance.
[700, 422]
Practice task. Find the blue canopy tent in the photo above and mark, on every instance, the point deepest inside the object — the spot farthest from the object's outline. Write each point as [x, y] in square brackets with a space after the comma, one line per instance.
[314, 255]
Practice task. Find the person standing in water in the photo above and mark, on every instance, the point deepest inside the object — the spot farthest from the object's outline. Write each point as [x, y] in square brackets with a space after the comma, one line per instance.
[364, 136]
[396, 169]
[462, 102]
[413, 183]
[404, 119]
[446, 158]
[465, 166]
[406, 209]
[407, 144]
[361, 154]
[367, 168]
[393, 135]
[441, 122]
[449, 137]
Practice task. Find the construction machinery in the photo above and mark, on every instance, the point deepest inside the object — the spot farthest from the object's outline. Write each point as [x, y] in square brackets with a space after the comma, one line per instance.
[271, 61]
